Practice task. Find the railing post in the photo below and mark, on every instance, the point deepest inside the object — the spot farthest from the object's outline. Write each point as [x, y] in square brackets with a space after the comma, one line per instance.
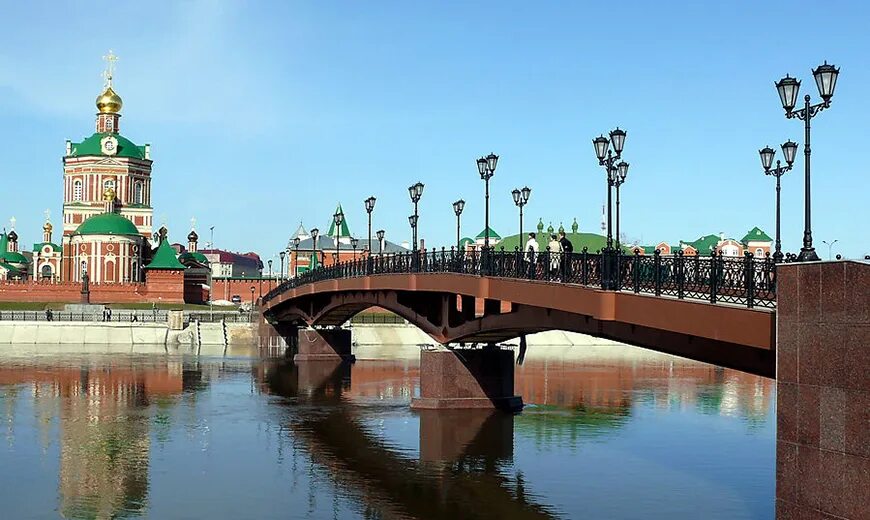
[681, 275]
[657, 274]
[585, 267]
[547, 264]
[749, 267]
[636, 271]
[714, 277]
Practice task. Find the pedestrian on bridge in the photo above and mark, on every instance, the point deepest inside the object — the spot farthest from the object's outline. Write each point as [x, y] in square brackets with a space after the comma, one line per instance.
[555, 249]
[532, 255]
[567, 253]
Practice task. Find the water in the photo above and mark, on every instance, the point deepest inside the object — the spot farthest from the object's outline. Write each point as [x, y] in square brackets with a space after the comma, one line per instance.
[608, 432]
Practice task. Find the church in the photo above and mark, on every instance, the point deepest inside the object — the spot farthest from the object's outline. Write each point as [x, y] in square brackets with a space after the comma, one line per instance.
[107, 212]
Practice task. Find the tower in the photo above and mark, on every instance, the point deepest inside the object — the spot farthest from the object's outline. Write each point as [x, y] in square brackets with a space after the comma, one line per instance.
[107, 160]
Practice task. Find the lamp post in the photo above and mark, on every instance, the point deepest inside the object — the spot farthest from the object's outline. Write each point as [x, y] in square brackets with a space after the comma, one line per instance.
[295, 256]
[607, 158]
[415, 191]
[380, 242]
[789, 149]
[826, 79]
[413, 221]
[338, 218]
[619, 178]
[314, 233]
[252, 303]
[521, 198]
[353, 243]
[370, 206]
[830, 246]
[270, 268]
[281, 255]
[458, 206]
[486, 169]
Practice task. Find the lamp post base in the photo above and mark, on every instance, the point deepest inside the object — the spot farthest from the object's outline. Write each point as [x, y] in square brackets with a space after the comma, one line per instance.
[808, 255]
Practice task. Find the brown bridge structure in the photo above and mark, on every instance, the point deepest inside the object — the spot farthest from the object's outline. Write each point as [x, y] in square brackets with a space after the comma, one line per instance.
[714, 309]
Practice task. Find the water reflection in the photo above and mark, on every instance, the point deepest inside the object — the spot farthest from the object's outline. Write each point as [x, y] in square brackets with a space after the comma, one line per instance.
[128, 431]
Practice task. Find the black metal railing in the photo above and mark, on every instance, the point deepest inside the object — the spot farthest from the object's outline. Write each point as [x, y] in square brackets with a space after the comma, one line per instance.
[749, 281]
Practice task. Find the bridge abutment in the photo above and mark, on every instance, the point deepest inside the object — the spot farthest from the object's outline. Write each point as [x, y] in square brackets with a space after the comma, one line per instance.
[323, 345]
[467, 378]
[823, 390]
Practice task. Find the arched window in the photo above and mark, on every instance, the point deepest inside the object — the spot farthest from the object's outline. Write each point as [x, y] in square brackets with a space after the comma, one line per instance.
[108, 184]
[45, 272]
[77, 190]
[137, 192]
[759, 252]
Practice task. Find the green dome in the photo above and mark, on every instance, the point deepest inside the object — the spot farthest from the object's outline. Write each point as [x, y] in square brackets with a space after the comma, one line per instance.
[91, 146]
[107, 224]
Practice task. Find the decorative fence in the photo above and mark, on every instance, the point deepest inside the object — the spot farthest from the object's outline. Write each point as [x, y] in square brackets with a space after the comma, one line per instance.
[748, 281]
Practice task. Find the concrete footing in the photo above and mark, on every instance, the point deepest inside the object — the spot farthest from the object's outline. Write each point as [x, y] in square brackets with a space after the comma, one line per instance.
[467, 379]
[323, 345]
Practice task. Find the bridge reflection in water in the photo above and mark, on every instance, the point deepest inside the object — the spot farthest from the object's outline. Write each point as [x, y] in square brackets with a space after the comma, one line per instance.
[464, 464]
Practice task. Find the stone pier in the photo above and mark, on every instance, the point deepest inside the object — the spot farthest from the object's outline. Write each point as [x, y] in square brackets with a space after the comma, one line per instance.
[823, 390]
[467, 378]
[323, 344]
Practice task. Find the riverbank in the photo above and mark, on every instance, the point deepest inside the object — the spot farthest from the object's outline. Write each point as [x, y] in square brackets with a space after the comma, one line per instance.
[124, 333]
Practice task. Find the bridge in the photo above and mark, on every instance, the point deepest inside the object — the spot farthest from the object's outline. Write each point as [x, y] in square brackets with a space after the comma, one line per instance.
[714, 309]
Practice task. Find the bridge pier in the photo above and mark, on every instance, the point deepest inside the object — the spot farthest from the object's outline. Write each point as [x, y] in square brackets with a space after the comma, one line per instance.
[823, 390]
[323, 344]
[467, 378]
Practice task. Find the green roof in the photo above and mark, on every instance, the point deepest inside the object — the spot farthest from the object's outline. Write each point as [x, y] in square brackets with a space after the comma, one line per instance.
[164, 258]
[11, 268]
[704, 245]
[492, 234]
[590, 241]
[345, 232]
[107, 224]
[465, 241]
[6, 255]
[756, 235]
[91, 146]
[40, 245]
[195, 256]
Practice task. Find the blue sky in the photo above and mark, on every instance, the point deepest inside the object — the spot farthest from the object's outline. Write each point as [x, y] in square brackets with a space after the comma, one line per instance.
[262, 114]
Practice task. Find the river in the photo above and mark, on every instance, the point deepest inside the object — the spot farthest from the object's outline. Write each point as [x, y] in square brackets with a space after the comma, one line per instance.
[608, 432]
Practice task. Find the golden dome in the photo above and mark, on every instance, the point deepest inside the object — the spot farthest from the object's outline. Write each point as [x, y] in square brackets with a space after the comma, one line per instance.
[109, 195]
[109, 102]
[47, 227]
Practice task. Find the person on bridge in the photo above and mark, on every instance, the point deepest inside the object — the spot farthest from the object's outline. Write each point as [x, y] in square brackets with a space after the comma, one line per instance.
[555, 249]
[532, 254]
[567, 253]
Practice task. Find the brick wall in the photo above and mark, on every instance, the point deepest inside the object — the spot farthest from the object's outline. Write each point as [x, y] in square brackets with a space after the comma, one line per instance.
[225, 288]
[160, 287]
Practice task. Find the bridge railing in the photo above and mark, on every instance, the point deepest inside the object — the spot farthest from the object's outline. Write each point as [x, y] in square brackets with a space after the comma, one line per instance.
[747, 280]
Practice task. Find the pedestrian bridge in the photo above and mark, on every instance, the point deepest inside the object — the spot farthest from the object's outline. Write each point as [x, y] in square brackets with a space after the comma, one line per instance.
[714, 309]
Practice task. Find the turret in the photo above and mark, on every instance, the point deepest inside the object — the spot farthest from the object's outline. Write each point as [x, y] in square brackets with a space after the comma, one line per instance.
[192, 239]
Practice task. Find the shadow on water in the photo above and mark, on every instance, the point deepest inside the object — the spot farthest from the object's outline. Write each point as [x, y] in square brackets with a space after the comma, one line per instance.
[463, 453]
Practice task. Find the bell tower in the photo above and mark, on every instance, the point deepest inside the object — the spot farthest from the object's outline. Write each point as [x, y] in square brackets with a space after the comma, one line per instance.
[109, 103]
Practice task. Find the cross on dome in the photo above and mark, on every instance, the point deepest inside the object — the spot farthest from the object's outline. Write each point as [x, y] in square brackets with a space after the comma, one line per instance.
[110, 59]
[12, 222]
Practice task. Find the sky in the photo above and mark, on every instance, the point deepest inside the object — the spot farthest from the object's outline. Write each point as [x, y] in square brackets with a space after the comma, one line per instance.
[264, 114]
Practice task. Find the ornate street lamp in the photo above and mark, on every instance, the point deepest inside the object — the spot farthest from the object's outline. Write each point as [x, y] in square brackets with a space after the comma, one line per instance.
[607, 158]
[295, 256]
[789, 149]
[314, 233]
[415, 191]
[521, 198]
[486, 169]
[788, 87]
[270, 267]
[619, 177]
[281, 255]
[370, 206]
[458, 206]
[353, 243]
[380, 235]
[338, 218]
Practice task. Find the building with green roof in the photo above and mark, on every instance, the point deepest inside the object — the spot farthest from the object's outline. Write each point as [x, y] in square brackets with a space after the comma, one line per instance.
[107, 224]
[165, 258]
